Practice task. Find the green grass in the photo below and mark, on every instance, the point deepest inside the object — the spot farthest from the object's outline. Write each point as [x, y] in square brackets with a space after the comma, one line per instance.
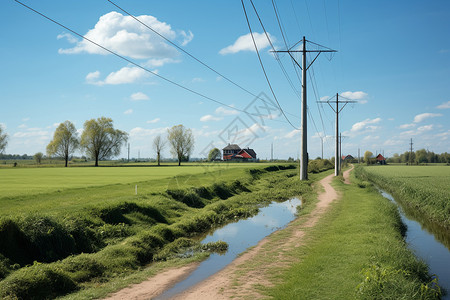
[87, 238]
[420, 188]
[356, 252]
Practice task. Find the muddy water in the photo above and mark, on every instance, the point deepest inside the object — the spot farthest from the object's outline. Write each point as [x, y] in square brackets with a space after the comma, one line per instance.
[429, 244]
[239, 236]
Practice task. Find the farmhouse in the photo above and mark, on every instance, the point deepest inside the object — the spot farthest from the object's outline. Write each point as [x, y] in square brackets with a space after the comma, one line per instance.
[380, 159]
[348, 157]
[234, 152]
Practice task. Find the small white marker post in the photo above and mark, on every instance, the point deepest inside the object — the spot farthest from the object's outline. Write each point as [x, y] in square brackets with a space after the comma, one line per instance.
[135, 189]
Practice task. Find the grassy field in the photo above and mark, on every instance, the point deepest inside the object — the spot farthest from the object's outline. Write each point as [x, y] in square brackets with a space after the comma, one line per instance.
[422, 188]
[357, 251]
[84, 229]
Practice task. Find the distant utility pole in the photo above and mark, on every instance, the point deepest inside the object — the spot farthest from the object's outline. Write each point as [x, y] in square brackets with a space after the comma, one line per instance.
[359, 156]
[337, 158]
[128, 152]
[271, 152]
[321, 139]
[303, 127]
[410, 153]
[340, 150]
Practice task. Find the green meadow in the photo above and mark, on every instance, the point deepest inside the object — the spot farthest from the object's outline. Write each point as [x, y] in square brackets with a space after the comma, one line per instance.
[79, 231]
[420, 188]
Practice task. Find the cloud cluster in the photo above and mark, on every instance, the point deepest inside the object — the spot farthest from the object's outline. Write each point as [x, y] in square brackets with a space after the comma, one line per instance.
[421, 117]
[245, 43]
[366, 125]
[122, 76]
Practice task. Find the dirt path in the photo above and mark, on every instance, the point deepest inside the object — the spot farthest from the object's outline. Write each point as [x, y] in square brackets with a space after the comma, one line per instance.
[238, 279]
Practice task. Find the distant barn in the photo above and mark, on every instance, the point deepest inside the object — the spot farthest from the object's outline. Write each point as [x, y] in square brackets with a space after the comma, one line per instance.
[380, 159]
[234, 152]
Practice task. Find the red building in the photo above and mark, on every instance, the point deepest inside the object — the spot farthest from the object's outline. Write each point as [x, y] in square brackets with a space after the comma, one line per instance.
[380, 159]
[234, 152]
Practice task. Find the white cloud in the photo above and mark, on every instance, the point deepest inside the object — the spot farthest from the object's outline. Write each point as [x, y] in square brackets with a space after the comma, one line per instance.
[187, 37]
[359, 95]
[324, 98]
[245, 43]
[153, 121]
[128, 112]
[33, 132]
[364, 125]
[124, 75]
[155, 62]
[198, 79]
[139, 96]
[425, 128]
[70, 38]
[407, 126]
[139, 132]
[444, 105]
[421, 117]
[123, 35]
[208, 118]
[293, 133]
[226, 112]
[22, 126]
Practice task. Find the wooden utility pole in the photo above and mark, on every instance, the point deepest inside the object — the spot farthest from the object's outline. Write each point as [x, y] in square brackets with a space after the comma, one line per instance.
[303, 127]
[410, 152]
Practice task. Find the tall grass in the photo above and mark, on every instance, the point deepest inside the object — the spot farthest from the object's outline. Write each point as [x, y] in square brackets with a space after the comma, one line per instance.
[421, 188]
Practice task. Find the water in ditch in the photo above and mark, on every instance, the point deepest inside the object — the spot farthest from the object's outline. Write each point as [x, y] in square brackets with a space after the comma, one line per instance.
[239, 236]
[430, 244]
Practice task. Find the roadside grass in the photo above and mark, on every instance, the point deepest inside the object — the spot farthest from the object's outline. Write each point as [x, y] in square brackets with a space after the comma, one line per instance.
[88, 243]
[356, 251]
[425, 189]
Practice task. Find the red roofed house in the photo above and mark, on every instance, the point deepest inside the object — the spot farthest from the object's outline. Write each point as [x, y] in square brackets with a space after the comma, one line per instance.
[234, 152]
[380, 159]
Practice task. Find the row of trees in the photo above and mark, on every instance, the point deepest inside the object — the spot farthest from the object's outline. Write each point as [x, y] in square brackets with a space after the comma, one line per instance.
[420, 157]
[100, 140]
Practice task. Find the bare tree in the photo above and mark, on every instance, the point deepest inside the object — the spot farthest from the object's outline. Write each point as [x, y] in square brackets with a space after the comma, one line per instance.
[65, 141]
[100, 140]
[181, 142]
[3, 139]
[158, 145]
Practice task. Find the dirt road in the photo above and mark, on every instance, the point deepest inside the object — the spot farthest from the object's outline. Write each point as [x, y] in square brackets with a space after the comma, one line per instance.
[238, 279]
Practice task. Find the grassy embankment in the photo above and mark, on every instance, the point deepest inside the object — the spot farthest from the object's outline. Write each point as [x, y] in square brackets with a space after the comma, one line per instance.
[357, 251]
[91, 240]
[423, 189]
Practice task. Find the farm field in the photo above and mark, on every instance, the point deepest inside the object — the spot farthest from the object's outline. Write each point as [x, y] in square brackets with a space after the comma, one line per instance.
[85, 235]
[423, 188]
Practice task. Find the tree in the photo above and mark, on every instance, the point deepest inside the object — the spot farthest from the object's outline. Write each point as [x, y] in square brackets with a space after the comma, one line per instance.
[158, 145]
[65, 141]
[214, 154]
[100, 140]
[3, 139]
[181, 142]
[367, 156]
[38, 157]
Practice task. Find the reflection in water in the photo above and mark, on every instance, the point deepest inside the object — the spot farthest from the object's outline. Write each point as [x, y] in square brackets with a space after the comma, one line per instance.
[239, 236]
[428, 246]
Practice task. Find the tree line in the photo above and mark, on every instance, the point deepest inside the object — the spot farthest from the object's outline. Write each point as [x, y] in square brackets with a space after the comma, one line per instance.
[100, 141]
[421, 156]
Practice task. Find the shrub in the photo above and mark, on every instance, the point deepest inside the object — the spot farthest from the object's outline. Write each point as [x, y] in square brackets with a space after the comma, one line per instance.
[38, 281]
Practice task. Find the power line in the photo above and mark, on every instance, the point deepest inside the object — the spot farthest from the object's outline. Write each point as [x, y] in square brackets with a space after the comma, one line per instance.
[190, 55]
[262, 66]
[134, 63]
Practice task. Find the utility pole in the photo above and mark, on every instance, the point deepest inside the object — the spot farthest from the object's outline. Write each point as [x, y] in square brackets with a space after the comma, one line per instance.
[271, 152]
[128, 152]
[410, 153]
[337, 157]
[340, 150]
[359, 156]
[303, 126]
[321, 139]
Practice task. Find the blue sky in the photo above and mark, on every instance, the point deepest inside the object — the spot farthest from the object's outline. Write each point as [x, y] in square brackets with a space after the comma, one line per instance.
[393, 58]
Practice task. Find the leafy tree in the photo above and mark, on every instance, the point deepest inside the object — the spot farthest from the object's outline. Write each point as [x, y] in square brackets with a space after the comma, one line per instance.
[214, 154]
[38, 157]
[100, 140]
[65, 141]
[367, 156]
[158, 145]
[181, 142]
[3, 139]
